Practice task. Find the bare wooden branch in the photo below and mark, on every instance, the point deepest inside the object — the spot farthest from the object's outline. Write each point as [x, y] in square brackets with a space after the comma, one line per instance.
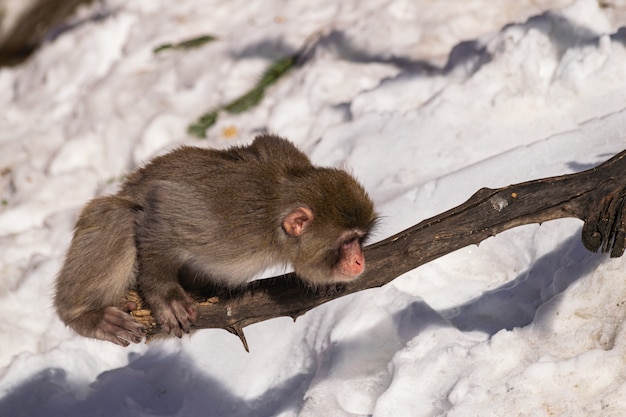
[596, 196]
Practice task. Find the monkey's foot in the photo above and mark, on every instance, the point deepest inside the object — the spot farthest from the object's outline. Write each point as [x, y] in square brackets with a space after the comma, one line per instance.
[119, 327]
[176, 315]
[112, 324]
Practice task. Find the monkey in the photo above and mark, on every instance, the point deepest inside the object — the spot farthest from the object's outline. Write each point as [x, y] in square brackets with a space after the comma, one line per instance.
[198, 217]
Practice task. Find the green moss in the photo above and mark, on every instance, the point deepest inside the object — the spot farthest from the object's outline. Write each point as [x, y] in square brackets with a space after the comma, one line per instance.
[245, 102]
[248, 100]
[276, 71]
[205, 121]
[186, 44]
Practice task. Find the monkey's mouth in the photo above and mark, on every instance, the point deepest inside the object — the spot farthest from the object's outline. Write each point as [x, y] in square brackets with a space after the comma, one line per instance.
[339, 277]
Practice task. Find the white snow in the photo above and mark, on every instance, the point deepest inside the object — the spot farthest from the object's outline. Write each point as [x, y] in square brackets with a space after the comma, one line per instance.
[425, 102]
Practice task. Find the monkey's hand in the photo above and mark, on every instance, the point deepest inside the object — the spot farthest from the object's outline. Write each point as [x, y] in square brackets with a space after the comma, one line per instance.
[174, 312]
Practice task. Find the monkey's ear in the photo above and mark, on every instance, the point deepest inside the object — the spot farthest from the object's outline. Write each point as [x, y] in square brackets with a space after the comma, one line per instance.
[297, 220]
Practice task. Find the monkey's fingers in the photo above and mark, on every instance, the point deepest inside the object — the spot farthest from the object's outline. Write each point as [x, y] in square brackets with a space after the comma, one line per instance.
[178, 317]
[119, 327]
[129, 306]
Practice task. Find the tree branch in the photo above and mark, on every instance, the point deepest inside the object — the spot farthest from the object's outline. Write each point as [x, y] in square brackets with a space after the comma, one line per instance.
[596, 196]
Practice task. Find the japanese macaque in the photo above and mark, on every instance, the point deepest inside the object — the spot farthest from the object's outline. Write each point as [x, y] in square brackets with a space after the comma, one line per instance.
[195, 218]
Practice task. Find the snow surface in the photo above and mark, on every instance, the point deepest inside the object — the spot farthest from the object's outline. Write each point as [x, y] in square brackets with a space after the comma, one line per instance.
[425, 102]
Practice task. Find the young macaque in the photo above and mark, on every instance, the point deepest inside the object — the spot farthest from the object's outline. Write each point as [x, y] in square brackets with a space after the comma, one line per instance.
[195, 218]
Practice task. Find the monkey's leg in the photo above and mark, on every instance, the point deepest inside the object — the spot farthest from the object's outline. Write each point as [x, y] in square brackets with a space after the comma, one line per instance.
[99, 268]
[158, 285]
[159, 247]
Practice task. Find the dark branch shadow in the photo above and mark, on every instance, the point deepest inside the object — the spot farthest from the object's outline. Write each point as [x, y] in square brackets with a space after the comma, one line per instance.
[515, 303]
[579, 167]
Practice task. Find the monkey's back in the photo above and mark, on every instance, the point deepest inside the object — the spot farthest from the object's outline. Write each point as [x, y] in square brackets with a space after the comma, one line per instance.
[263, 162]
[214, 205]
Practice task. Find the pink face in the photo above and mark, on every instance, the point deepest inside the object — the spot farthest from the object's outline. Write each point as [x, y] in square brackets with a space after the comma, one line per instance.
[352, 263]
[348, 260]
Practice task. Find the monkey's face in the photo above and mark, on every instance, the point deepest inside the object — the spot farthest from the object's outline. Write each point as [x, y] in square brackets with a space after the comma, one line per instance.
[329, 217]
[330, 263]
[349, 260]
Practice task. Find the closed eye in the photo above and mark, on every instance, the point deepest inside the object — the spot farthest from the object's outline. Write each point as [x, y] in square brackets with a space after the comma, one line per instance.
[350, 242]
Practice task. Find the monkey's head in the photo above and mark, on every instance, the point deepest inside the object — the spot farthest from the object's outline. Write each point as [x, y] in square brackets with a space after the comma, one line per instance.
[327, 226]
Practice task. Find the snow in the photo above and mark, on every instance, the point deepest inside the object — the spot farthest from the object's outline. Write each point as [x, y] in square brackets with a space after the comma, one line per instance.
[425, 102]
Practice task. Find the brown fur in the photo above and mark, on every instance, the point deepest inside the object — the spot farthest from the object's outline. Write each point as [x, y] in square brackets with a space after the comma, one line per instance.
[218, 216]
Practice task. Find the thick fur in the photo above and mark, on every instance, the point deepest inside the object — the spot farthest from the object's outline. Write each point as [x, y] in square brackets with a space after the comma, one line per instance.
[199, 217]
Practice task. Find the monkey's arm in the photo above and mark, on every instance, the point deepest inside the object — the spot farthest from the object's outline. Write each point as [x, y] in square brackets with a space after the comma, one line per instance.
[596, 196]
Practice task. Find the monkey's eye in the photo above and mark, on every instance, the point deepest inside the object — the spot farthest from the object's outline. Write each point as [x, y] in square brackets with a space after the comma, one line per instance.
[349, 243]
